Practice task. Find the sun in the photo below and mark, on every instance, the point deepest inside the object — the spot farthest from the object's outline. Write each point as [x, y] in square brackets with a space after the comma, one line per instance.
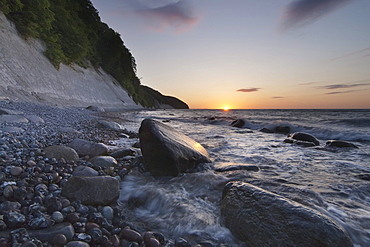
[225, 108]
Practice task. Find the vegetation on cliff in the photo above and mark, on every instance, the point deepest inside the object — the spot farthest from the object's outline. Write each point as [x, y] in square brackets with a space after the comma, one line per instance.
[73, 33]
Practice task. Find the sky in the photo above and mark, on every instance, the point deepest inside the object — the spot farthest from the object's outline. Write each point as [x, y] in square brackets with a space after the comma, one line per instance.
[249, 54]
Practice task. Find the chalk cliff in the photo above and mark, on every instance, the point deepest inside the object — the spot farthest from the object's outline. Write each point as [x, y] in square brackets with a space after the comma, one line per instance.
[27, 75]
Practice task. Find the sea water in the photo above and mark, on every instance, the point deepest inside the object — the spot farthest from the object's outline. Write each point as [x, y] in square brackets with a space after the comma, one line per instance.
[327, 180]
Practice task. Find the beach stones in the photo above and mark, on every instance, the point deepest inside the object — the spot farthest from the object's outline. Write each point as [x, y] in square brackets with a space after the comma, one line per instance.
[98, 190]
[91, 149]
[61, 152]
[262, 218]
[302, 138]
[168, 152]
[103, 161]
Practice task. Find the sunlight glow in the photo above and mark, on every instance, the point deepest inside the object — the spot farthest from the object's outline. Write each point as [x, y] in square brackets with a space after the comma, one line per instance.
[225, 108]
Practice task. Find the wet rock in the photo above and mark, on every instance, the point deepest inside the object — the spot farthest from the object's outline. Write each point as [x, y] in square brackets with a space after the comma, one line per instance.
[167, 152]
[96, 234]
[262, 218]
[131, 235]
[107, 212]
[61, 152]
[180, 242]
[40, 220]
[90, 149]
[266, 130]
[99, 190]
[122, 153]
[282, 129]
[16, 170]
[228, 168]
[59, 240]
[300, 143]
[301, 136]
[103, 161]
[340, 144]
[57, 217]
[239, 123]
[85, 171]
[14, 219]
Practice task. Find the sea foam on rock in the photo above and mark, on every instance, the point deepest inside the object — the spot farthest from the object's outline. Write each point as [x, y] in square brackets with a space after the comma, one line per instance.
[262, 218]
[168, 152]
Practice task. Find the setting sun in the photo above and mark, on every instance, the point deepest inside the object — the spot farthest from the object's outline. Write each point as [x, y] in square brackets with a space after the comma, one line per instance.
[225, 108]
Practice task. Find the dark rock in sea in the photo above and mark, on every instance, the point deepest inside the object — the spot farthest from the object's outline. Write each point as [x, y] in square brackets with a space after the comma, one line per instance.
[103, 161]
[301, 136]
[99, 190]
[365, 176]
[91, 149]
[239, 123]
[282, 129]
[168, 152]
[262, 218]
[300, 143]
[61, 152]
[228, 168]
[340, 144]
[266, 130]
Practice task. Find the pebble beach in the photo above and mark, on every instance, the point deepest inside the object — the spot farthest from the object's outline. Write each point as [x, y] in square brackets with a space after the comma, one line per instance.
[34, 210]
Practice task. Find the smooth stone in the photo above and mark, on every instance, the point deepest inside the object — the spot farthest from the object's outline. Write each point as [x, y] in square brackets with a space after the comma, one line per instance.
[107, 212]
[301, 136]
[98, 190]
[261, 218]
[86, 148]
[239, 123]
[59, 240]
[109, 125]
[77, 244]
[168, 152]
[8, 191]
[13, 119]
[85, 171]
[340, 144]
[61, 152]
[16, 170]
[131, 235]
[103, 161]
[57, 216]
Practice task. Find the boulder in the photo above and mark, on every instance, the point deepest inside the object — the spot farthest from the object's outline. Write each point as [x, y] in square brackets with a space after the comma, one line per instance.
[301, 136]
[61, 152]
[282, 129]
[340, 144]
[262, 218]
[13, 119]
[91, 149]
[266, 130]
[103, 161]
[98, 190]
[239, 123]
[168, 152]
[122, 153]
[85, 171]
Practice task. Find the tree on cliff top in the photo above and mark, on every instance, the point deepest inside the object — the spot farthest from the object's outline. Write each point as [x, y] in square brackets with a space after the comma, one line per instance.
[74, 33]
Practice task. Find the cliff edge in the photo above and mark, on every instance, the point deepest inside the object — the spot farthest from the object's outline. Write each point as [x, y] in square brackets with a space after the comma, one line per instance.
[26, 74]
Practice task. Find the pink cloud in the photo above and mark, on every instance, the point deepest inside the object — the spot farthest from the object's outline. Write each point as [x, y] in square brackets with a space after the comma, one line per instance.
[248, 90]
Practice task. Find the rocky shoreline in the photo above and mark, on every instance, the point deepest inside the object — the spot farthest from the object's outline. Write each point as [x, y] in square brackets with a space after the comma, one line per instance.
[42, 198]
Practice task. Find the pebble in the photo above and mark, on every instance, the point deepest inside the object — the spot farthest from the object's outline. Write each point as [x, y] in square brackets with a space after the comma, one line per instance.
[16, 170]
[59, 240]
[107, 212]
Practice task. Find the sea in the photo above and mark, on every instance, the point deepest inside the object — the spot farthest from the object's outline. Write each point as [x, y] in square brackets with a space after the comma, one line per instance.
[333, 181]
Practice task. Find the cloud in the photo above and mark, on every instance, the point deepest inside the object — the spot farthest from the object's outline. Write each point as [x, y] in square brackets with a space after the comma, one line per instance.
[301, 12]
[340, 86]
[248, 90]
[358, 52]
[163, 14]
[337, 92]
[277, 97]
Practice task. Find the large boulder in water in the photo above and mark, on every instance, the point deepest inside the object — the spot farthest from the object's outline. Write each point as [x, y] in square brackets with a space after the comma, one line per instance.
[340, 144]
[167, 152]
[301, 136]
[262, 218]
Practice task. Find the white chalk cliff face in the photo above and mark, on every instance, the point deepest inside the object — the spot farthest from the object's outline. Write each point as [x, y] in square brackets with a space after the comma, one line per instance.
[27, 75]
